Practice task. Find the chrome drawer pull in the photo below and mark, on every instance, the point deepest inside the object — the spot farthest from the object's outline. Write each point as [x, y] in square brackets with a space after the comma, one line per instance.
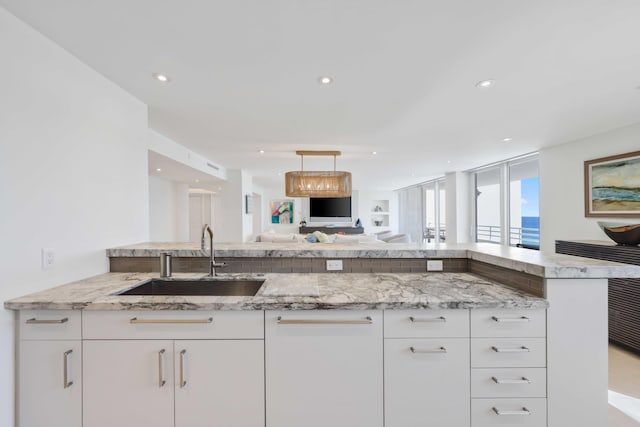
[428, 319]
[35, 321]
[367, 320]
[524, 411]
[65, 362]
[161, 380]
[521, 380]
[156, 321]
[522, 349]
[434, 350]
[511, 319]
[182, 381]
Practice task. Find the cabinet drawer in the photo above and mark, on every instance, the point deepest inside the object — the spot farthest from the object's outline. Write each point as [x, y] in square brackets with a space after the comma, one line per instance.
[426, 323]
[50, 324]
[508, 323]
[509, 382]
[515, 412]
[508, 352]
[173, 324]
[426, 382]
[324, 323]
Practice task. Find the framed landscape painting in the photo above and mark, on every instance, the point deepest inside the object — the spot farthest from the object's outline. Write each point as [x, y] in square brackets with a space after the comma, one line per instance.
[612, 186]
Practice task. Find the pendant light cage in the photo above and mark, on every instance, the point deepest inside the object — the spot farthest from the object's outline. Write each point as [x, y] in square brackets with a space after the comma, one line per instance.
[318, 183]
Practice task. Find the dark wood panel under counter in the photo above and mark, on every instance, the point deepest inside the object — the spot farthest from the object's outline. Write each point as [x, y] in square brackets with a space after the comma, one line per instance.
[624, 294]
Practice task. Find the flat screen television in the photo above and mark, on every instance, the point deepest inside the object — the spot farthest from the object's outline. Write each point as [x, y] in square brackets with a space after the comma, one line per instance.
[324, 209]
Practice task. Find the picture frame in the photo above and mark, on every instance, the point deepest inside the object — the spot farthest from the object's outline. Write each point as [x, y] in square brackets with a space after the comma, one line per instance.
[282, 211]
[612, 186]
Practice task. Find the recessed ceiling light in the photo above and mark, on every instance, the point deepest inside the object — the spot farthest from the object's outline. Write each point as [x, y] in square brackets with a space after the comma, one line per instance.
[449, 161]
[507, 139]
[161, 77]
[485, 83]
[325, 80]
[261, 151]
[158, 170]
[197, 180]
[374, 152]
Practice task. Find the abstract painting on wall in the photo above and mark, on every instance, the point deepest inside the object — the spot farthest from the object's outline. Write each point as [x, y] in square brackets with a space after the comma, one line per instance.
[612, 186]
[282, 212]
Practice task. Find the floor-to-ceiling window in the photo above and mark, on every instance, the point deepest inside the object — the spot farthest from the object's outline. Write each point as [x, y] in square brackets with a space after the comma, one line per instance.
[434, 211]
[489, 205]
[507, 203]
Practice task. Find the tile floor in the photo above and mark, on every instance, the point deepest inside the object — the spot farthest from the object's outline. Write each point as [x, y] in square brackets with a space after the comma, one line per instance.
[624, 388]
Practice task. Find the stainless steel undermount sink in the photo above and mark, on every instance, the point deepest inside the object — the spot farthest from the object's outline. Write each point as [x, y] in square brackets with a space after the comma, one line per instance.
[213, 286]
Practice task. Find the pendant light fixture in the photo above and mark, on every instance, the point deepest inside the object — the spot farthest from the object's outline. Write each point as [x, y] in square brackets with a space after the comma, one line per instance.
[317, 183]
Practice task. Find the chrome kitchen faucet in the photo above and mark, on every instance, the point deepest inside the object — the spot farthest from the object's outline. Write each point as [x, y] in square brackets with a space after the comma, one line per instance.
[212, 263]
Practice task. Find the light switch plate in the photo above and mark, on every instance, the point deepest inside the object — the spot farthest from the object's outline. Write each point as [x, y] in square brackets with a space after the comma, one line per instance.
[334, 265]
[434, 265]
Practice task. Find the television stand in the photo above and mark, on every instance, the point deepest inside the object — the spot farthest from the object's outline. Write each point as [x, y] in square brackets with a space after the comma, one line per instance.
[331, 229]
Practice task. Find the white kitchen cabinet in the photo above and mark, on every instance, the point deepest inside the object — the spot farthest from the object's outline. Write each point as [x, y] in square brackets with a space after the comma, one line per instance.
[426, 382]
[49, 368]
[50, 383]
[134, 378]
[128, 383]
[426, 368]
[324, 368]
[219, 383]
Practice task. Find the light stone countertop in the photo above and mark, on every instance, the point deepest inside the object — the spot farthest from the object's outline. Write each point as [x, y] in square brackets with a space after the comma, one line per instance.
[525, 260]
[291, 292]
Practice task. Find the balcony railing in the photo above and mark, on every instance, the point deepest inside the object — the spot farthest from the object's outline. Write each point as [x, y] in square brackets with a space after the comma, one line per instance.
[518, 236]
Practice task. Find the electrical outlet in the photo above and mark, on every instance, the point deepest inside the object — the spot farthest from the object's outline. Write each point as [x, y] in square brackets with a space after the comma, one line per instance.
[334, 265]
[48, 258]
[434, 265]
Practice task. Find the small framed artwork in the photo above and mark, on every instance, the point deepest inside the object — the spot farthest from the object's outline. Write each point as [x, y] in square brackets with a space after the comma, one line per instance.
[282, 212]
[248, 203]
[612, 186]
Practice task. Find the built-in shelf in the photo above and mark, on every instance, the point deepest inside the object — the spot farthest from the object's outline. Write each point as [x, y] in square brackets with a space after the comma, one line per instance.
[379, 213]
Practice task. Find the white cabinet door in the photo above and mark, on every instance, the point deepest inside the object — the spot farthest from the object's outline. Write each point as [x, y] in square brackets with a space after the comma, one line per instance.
[46, 396]
[427, 382]
[219, 383]
[324, 368]
[128, 383]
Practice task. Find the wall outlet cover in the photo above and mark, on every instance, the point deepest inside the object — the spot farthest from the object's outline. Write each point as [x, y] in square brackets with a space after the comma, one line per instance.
[435, 265]
[334, 265]
[48, 258]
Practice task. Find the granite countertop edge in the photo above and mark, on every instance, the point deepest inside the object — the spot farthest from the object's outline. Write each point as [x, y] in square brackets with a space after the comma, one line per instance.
[290, 291]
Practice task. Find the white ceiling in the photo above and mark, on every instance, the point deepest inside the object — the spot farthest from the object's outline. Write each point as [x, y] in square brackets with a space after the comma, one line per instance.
[245, 76]
[166, 168]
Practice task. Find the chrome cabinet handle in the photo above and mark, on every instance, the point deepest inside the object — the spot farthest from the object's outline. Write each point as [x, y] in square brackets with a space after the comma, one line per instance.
[522, 349]
[66, 369]
[524, 411]
[511, 319]
[428, 319]
[161, 381]
[164, 321]
[34, 321]
[365, 321]
[432, 350]
[182, 381]
[521, 380]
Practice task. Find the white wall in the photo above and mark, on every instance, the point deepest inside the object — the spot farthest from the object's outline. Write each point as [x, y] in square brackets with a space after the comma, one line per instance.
[562, 185]
[168, 210]
[364, 202]
[231, 223]
[73, 173]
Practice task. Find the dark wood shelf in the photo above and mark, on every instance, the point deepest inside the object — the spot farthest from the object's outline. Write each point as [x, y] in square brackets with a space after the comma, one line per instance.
[331, 230]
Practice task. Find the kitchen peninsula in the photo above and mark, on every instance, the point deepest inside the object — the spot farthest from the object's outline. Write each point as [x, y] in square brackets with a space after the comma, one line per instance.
[500, 335]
